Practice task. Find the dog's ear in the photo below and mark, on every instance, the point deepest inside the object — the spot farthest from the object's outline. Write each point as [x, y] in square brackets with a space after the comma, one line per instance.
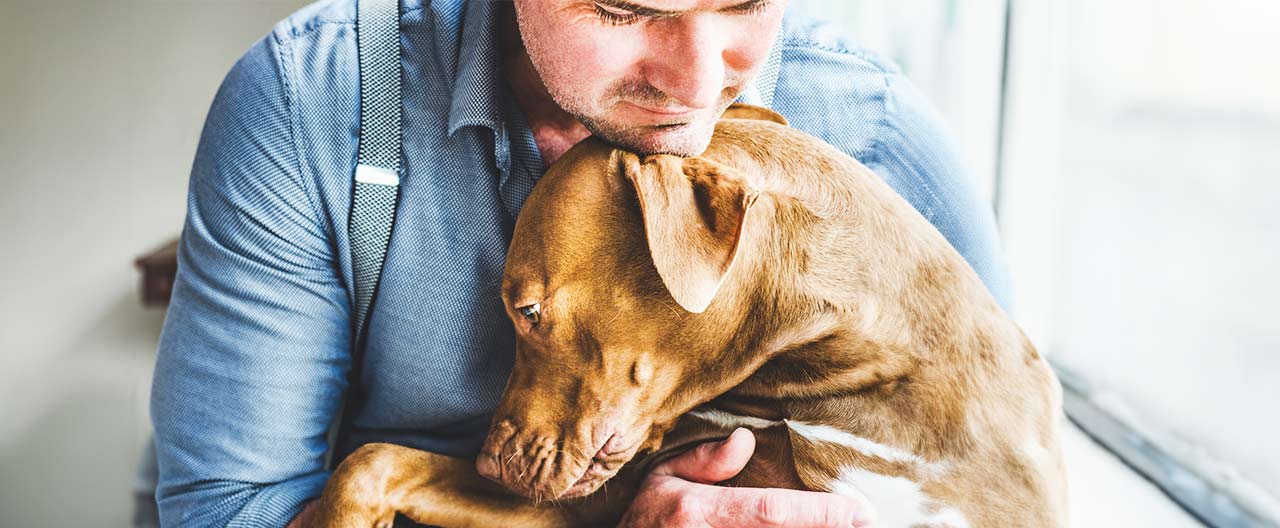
[746, 111]
[694, 210]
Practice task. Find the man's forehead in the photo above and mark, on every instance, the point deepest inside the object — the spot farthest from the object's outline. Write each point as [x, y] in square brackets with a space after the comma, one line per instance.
[678, 7]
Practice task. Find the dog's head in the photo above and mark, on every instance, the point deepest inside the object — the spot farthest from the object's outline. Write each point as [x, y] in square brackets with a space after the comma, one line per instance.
[615, 282]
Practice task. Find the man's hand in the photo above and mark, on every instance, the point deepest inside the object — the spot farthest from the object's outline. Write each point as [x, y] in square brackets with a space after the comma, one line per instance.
[681, 492]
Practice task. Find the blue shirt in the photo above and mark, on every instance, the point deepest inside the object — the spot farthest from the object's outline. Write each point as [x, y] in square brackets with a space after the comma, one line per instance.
[255, 351]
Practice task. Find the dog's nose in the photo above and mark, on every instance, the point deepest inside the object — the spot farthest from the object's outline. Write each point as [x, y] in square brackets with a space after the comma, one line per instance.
[487, 462]
[487, 466]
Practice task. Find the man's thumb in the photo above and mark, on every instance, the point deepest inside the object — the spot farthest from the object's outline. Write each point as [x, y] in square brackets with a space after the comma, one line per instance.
[712, 462]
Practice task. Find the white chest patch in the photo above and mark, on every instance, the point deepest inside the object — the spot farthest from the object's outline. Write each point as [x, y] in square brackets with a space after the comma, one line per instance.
[729, 420]
[898, 502]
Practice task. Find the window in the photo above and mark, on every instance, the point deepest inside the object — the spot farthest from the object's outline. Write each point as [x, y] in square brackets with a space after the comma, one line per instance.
[1132, 153]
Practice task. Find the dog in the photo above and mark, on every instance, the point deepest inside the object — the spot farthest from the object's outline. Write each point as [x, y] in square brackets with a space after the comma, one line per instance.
[773, 283]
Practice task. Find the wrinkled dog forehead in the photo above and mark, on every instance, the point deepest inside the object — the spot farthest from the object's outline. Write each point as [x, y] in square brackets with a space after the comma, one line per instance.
[581, 219]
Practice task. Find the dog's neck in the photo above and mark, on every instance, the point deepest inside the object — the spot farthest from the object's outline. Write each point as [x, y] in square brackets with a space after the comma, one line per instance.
[845, 287]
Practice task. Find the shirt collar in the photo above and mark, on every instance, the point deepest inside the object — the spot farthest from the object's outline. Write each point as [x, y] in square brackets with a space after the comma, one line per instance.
[476, 87]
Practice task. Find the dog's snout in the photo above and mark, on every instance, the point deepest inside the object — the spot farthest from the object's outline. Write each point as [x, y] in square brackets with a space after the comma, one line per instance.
[487, 462]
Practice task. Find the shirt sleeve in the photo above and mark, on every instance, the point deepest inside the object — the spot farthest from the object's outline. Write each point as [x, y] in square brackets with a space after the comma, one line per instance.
[917, 154]
[255, 347]
[864, 105]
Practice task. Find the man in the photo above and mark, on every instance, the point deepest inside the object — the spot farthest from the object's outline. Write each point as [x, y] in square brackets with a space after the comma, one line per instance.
[256, 346]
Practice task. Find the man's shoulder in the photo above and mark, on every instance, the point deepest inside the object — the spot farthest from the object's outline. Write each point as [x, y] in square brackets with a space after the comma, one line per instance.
[831, 86]
[305, 21]
[313, 16]
[803, 38]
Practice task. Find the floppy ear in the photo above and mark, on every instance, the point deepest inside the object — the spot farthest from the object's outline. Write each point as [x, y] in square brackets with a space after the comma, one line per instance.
[694, 210]
[746, 111]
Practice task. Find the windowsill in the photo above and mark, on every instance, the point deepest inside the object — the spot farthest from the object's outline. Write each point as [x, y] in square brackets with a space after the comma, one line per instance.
[1103, 491]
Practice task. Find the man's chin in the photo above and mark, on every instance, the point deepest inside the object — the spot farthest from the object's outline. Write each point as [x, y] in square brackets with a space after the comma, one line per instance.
[687, 139]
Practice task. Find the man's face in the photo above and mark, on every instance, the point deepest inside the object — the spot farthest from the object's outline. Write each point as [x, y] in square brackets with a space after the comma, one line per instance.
[649, 76]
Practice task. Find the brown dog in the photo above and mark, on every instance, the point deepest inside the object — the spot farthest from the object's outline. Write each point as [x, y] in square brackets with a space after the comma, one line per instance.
[773, 283]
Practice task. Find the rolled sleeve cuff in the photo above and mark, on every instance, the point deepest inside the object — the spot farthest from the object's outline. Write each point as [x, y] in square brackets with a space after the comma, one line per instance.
[276, 505]
[268, 506]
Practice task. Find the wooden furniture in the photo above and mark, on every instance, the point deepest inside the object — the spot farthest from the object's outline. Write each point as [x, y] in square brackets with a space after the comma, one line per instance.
[158, 270]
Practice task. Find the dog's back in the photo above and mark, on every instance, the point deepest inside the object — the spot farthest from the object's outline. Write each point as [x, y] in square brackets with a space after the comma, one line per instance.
[902, 378]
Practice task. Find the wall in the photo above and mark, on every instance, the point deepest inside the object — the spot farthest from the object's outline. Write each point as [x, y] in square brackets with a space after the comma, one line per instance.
[101, 103]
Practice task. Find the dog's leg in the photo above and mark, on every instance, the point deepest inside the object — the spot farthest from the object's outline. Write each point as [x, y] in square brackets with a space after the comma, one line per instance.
[379, 480]
[466, 507]
[357, 494]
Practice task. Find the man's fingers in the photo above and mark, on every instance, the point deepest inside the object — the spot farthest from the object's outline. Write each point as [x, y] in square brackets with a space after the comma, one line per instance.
[790, 508]
[712, 462]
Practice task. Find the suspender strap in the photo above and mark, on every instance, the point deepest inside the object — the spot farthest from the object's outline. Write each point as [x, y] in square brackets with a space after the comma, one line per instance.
[377, 176]
[376, 186]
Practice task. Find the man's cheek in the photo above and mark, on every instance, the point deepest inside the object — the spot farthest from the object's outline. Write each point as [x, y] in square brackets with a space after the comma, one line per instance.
[750, 53]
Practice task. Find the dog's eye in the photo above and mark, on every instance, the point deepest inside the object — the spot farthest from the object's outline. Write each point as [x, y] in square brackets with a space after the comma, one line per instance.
[532, 312]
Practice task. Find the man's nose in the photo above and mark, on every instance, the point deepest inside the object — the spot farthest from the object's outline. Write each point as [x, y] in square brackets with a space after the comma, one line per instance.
[687, 60]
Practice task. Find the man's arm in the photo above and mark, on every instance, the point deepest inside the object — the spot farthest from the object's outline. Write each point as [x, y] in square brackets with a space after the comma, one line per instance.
[254, 353]
[916, 154]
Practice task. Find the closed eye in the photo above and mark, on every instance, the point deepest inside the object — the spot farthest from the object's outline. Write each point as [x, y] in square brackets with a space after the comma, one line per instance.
[621, 12]
[616, 16]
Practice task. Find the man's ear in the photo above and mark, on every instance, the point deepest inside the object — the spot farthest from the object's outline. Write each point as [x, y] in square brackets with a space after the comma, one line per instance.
[746, 111]
[693, 210]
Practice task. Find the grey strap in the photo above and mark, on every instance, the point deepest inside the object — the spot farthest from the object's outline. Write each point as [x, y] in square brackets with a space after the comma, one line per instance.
[375, 189]
[377, 176]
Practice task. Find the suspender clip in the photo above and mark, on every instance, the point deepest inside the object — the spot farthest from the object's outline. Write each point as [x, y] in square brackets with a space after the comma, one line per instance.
[377, 175]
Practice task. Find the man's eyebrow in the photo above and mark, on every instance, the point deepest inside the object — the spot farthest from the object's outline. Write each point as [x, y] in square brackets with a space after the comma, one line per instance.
[654, 12]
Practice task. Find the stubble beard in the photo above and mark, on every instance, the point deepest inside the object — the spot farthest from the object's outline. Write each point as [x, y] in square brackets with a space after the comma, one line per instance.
[685, 136]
